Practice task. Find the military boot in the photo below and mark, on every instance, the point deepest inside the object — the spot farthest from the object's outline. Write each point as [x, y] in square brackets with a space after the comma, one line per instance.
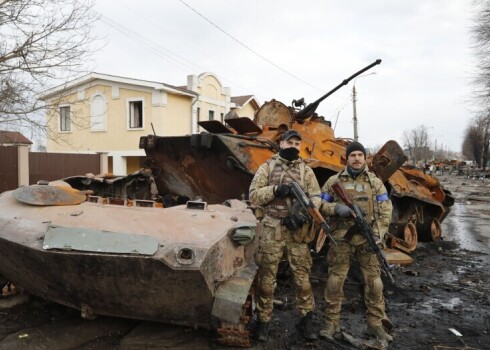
[305, 325]
[262, 332]
[331, 329]
[379, 332]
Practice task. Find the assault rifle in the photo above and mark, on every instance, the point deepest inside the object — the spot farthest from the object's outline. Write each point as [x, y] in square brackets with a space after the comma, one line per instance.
[309, 208]
[366, 230]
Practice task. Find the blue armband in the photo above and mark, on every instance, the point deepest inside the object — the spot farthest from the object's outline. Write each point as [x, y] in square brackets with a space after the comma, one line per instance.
[382, 197]
[326, 197]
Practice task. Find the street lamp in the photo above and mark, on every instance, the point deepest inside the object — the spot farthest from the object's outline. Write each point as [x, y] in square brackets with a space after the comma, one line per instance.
[354, 100]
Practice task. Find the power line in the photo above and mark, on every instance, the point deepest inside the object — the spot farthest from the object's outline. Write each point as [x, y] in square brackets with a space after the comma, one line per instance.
[233, 71]
[152, 46]
[248, 48]
[184, 64]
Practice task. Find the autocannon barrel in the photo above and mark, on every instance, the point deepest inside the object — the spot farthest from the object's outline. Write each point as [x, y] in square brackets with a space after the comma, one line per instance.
[311, 108]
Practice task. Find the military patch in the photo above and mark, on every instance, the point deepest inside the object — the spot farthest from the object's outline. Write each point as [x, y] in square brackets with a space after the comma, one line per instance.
[349, 186]
[359, 187]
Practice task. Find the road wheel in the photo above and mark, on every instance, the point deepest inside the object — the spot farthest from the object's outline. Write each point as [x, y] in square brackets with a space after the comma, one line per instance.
[410, 236]
[430, 231]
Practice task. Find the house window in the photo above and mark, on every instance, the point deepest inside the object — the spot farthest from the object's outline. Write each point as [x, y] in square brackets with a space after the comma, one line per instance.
[136, 114]
[98, 114]
[222, 117]
[65, 118]
[211, 115]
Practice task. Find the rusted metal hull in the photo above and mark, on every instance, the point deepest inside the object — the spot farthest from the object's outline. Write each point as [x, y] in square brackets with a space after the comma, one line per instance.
[176, 265]
[222, 167]
[123, 286]
[217, 166]
[418, 199]
[198, 165]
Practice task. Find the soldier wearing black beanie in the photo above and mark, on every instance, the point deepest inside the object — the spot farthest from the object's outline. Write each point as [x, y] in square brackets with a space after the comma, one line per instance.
[355, 146]
[368, 192]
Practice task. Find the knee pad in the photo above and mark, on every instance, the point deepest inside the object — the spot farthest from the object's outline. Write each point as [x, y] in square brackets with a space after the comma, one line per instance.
[375, 288]
[266, 289]
[334, 285]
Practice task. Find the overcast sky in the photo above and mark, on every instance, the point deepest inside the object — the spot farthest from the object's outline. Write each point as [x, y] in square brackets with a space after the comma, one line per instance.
[291, 49]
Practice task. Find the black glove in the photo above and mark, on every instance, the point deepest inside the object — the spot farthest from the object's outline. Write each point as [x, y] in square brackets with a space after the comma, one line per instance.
[293, 223]
[282, 190]
[343, 211]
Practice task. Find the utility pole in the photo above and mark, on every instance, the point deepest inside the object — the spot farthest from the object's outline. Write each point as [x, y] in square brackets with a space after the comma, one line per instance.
[354, 119]
[435, 149]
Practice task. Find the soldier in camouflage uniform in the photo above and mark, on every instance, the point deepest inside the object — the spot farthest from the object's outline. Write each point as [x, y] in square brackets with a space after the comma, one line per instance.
[369, 193]
[284, 234]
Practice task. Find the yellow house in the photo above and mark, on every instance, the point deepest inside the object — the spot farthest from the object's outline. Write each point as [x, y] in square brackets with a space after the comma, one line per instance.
[245, 106]
[107, 113]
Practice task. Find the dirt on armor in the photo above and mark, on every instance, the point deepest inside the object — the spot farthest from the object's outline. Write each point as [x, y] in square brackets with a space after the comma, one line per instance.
[445, 292]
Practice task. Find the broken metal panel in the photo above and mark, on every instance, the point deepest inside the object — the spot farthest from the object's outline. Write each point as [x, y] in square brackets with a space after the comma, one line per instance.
[410, 186]
[387, 160]
[232, 294]
[138, 185]
[244, 125]
[396, 257]
[89, 240]
[190, 171]
[214, 126]
[48, 195]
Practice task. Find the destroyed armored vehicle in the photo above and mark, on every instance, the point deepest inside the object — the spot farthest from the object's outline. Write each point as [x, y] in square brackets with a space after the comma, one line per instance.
[104, 251]
[174, 242]
[220, 164]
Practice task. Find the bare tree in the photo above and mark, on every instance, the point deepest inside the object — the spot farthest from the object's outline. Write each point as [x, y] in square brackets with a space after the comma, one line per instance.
[416, 142]
[480, 126]
[472, 144]
[476, 141]
[43, 43]
[372, 150]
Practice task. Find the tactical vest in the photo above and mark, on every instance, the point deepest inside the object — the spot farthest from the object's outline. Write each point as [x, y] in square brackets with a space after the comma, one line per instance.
[360, 191]
[281, 173]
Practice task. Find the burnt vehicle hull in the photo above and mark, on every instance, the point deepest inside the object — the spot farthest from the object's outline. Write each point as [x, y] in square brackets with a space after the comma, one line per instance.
[179, 265]
[220, 164]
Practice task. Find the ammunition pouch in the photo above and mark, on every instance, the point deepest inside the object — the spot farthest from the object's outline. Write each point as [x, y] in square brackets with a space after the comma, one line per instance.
[259, 213]
[305, 234]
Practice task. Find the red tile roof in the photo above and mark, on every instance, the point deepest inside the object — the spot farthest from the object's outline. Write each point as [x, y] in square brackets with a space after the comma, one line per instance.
[13, 137]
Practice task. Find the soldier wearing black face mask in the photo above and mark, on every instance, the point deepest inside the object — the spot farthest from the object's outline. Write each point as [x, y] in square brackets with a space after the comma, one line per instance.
[290, 153]
[283, 234]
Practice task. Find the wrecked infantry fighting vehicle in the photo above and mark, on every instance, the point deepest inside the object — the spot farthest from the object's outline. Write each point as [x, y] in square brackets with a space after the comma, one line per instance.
[220, 164]
[112, 249]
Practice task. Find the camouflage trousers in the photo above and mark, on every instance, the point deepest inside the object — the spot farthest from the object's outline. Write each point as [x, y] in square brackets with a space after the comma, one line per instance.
[269, 254]
[339, 260]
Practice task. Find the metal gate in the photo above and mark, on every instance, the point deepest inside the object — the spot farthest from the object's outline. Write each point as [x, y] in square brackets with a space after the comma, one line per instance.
[53, 166]
[9, 168]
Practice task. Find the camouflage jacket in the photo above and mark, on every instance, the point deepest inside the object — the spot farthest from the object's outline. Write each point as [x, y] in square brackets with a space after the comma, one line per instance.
[368, 192]
[261, 192]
